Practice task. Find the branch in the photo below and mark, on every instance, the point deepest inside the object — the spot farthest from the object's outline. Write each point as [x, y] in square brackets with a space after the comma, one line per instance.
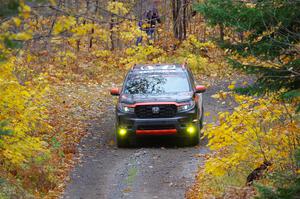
[55, 8]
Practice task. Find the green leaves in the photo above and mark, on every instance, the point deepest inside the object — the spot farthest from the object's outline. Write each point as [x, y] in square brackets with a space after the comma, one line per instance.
[292, 94]
[2, 181]
[8, 8]
[12, 44]
[269, 46]
[286, 192]
[3, 130]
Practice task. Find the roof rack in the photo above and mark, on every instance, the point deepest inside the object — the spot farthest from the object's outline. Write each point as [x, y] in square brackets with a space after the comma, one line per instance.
[156, 66]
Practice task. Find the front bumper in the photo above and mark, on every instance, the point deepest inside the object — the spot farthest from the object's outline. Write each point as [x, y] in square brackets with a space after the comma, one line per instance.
[158, 126]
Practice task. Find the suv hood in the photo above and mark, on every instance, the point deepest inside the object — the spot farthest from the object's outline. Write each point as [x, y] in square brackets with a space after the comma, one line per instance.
[176, 97]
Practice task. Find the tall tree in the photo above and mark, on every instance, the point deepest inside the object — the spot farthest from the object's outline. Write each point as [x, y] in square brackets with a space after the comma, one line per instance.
[271, 45]
[180, 18]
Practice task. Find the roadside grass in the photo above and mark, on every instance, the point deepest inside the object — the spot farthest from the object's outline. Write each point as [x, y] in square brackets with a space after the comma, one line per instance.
[132, 173]
[208, 186]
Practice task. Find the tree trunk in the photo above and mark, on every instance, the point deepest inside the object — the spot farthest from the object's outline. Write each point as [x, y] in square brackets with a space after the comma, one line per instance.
[180, 18]
[111, 30]
[174, 12]
[77, 23]
[93, 30]
[111, 26]
[221, 31]
[241, 36]
[184, 18]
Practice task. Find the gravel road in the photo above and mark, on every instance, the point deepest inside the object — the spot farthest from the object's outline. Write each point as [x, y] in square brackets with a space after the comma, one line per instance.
[155, 169]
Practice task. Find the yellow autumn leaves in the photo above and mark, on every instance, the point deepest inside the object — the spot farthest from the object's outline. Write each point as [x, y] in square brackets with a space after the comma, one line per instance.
[140, 54]
[22, 107]
[63, 23]
[25, 10]
[22, 104]
[117, 8]
[258, 129]
[126, 30]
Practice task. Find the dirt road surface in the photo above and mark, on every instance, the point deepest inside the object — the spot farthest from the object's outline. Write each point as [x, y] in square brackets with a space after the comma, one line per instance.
[155, 169]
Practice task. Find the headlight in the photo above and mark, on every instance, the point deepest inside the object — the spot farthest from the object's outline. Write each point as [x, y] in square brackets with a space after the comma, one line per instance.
[125, 108]
[186, 106]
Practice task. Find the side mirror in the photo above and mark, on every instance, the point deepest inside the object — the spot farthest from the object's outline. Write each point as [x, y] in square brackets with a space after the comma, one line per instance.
[200, 89]
[115, 91]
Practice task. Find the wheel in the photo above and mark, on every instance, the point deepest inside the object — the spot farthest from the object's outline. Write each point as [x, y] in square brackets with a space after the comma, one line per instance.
[125, 141]
[122, 142]
[190, 140]
[194, 141]
[201, 118]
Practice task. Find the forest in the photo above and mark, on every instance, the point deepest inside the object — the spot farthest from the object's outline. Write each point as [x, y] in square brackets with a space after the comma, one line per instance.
[58, 58]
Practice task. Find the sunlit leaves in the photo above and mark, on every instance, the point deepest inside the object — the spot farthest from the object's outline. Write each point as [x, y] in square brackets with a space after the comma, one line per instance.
[17, 21]
[117, 8]
[22, 107]
[22, 36]
[140, 54]
[232, 85]
[257, 130]
[64, 23]
[22, 100]
[25, 10]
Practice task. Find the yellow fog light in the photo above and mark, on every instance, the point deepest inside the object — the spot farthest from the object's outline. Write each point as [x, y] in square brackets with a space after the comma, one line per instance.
[122, 132]
[191, 130]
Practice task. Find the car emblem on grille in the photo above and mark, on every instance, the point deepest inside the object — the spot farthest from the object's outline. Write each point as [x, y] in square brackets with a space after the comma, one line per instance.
[155, 110]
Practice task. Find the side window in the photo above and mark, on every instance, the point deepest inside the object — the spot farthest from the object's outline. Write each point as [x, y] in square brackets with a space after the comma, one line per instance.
[192, 77]
[124, 82]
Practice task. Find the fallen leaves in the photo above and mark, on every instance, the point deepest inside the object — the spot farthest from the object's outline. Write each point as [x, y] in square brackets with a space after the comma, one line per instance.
[73, 107]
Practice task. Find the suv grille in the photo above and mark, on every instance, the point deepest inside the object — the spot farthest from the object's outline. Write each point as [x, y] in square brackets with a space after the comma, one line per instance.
[156, 111]
[155, 127]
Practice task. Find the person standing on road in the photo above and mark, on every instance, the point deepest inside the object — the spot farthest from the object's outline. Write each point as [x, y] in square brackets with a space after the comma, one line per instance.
[148, 25]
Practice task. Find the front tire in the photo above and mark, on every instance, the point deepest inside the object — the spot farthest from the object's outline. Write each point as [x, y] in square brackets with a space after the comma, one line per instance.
[122, 142]
[201, 118]
[125, 141]
[194, 141]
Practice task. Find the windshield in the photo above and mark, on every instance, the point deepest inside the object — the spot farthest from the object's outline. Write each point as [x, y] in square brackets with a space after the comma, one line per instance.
[156, 83]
